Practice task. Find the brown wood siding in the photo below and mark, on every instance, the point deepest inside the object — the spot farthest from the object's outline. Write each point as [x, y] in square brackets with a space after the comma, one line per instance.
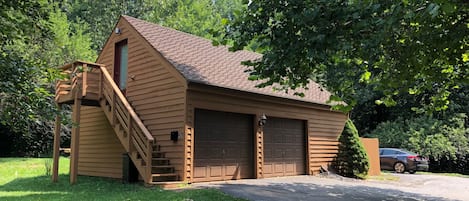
[323, 126]
[155, 90]
[100, 152]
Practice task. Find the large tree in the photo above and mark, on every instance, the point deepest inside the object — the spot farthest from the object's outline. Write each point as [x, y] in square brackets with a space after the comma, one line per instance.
[23, 77]
[396, 47]
[101, 16]
[36, 37]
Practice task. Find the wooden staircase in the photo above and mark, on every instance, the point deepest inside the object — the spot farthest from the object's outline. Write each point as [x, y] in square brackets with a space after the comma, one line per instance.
[91, 84]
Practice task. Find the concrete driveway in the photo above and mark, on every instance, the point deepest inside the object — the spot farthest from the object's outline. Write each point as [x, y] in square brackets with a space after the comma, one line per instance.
[409, 187]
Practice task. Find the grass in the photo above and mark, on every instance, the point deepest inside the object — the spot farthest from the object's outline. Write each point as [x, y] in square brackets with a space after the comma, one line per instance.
[444, 174]
[25, 179]
[432, 173]
[384, 177]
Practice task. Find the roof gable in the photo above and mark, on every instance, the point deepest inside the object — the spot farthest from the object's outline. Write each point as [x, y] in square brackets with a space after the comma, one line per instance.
[201, 62]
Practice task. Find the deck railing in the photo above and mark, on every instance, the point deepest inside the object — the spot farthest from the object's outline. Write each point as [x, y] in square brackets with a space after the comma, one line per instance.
[139, 141]
[89, 78]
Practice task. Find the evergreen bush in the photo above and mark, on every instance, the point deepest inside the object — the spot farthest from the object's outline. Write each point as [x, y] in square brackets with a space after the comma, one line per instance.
[352, 160]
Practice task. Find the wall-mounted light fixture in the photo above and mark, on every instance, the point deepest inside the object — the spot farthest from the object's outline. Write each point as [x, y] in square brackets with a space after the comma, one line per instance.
[117, 31]
[262, 120]
[174, 136]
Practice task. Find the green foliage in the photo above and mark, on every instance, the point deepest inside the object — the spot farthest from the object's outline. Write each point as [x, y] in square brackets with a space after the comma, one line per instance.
[69, 42]
[37, 37]
[426, 135]
[445, 141]
[101, 16]
[352, 160]
[196, 17]
[24, 98]
[397, 47]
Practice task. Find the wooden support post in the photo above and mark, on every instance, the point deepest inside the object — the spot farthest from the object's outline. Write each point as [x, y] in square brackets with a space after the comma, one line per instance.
[75, 142]
[84, 84]
[189, 153]
[258, 148]
[55, 167]
[100, 84]
[309, 169]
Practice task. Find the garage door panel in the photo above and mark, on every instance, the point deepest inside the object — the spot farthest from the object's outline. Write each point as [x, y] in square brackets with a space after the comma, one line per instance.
[226, 139]
[290, 168]
[215, 171]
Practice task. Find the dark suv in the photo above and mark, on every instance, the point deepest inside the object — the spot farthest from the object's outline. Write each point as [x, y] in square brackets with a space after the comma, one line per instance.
[401, 160]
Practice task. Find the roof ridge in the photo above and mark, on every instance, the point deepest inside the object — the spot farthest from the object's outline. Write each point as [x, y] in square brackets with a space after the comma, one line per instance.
[182, 32]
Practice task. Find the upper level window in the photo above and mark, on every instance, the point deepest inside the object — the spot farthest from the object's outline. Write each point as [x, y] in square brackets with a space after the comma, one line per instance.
[120, 64]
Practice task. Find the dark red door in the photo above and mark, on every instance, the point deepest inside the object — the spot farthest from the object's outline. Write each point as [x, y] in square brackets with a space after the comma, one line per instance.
[120, 65]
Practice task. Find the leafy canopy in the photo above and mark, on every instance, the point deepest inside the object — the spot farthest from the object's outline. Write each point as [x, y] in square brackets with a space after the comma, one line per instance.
[397, 47]
[36, 38]
[195, 17]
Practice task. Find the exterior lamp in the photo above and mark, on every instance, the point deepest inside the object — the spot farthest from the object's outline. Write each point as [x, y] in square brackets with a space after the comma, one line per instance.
[262, 120]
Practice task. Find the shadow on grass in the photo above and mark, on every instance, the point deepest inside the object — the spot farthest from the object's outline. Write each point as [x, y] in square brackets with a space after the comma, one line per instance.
[41, 188]
[96, 188]
[308, 191]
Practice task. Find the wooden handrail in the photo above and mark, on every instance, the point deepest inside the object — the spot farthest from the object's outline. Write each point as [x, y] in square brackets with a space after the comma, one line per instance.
[132, 133]
[126, 104]
[70, 65]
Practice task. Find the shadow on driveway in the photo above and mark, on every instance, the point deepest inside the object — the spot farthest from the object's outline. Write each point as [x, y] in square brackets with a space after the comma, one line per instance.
[276, 191]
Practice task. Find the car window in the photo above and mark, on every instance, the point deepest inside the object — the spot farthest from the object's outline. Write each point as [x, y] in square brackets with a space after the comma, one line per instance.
[388, 152]
[409, 152]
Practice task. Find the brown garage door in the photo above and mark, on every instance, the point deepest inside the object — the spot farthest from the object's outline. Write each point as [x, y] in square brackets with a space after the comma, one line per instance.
[284, 147]
[223, 146]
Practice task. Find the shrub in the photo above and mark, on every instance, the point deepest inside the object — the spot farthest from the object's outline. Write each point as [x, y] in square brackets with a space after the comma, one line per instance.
[37, 143]
[445, 141]
[352, 160]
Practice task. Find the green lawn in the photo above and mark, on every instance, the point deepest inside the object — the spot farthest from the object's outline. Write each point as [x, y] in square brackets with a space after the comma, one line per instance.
[25, 179]
[445, 174]
[385, 176]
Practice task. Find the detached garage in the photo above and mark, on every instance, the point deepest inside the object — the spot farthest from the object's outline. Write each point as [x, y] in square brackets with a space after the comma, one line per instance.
[191, 114]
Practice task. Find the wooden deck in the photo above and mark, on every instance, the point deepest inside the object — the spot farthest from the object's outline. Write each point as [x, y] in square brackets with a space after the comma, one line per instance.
[90, 84]
[79, 76]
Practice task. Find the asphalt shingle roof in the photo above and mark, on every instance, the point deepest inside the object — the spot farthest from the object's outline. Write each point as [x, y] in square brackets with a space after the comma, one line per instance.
[199, 61]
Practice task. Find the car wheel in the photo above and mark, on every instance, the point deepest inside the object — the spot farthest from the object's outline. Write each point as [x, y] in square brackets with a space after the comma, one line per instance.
[412, 171]
[399, 167]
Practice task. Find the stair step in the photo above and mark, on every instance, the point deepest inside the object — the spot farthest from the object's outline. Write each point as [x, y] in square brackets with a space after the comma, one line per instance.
[160, 159]
[163, 166]
[170, 184]
[158, 154]
[164, 175]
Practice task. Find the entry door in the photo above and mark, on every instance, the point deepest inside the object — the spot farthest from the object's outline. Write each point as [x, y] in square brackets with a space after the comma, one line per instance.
[120, 65]
[223, 146]
[284, 147]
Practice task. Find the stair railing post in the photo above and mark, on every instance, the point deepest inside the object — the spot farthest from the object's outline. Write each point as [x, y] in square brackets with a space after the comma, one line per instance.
[129, 130]
[85, 80]
[149, 160]
[100, 84]
[113, 109]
